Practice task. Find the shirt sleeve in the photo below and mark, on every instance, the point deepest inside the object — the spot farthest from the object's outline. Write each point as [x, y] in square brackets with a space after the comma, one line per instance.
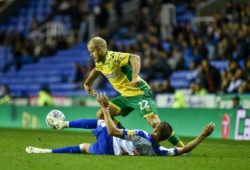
[167, 152]
[130, 134]
[123, 58]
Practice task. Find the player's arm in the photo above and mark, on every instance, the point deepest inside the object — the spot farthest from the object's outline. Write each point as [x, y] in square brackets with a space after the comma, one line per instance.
[207, 130]
[112, 129]
[135, 62]
[89, 80]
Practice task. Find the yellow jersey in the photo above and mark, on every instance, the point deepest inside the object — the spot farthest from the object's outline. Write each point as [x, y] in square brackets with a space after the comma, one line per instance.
[118, 71]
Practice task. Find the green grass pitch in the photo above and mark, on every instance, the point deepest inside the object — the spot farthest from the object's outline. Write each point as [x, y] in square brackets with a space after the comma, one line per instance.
[211, 154]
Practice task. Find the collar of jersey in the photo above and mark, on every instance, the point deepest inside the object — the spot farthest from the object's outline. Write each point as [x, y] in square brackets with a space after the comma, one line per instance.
[104, 60]
[151, 139]
[154, 144]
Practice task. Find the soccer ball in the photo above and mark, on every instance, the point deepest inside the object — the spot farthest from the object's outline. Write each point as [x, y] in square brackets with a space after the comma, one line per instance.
[54, 114]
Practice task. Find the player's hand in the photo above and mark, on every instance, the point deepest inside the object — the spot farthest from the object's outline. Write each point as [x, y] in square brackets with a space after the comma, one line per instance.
[208, 129]
[135, 82]
[89, 90]
[103, 100]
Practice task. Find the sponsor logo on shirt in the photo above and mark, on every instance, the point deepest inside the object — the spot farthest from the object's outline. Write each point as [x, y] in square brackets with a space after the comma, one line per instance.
[112, 75]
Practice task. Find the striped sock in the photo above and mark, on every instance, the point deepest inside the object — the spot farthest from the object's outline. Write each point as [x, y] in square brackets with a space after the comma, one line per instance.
[175, 140]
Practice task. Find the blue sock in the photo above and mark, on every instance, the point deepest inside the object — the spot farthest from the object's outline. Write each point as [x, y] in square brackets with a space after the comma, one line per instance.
[68, 149]
[83, 123]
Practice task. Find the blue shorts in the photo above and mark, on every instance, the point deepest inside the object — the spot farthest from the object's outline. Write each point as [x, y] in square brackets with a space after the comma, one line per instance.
[104, 143]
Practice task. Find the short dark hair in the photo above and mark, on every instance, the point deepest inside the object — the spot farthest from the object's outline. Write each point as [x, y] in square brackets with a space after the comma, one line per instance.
[165, 130]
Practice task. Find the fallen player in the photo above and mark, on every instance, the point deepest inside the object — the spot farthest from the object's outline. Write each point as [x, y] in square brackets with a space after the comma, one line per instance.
[114, 141]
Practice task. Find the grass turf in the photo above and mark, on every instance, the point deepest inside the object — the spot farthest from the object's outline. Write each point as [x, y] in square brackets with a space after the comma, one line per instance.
[211, 154]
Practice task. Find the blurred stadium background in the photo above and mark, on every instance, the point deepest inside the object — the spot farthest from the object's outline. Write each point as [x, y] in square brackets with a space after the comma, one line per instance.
[195, 55]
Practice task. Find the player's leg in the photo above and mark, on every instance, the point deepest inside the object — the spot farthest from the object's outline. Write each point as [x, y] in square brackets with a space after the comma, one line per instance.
[117, 107]
[81, 123]
[113, 110]
[82, 148]
[175, 140]
[145, 106]
[152, 118]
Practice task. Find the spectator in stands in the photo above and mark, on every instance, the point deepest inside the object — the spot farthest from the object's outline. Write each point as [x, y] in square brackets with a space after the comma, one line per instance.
[5, 97]
[232, 78]
[174, 59]
[247, 69]
[83, 34]
[209, 76]
[224, 49]
[225, 38]
[34, 24]
[235, 81]
[244, 87]
[163, 87]
[44, 97]
[101, 17]
[197, 88]
[146, 67]
[180, 101]
[80, 72]
[160, 66]
[202, 49]
[242, 47]
[236, 102]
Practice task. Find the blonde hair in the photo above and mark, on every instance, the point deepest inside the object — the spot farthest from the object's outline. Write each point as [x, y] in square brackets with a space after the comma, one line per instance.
[97, 42]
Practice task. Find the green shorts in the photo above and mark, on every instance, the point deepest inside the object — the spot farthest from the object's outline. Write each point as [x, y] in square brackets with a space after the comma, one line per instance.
[143, 104]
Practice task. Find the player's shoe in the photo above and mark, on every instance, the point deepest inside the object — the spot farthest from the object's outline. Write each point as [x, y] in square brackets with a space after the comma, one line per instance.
[58, 124]
[31, 149]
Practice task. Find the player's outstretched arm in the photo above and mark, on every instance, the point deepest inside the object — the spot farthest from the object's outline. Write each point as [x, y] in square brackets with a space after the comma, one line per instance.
[112, 129]
[136, 66]
[207, 130]
[89, 80]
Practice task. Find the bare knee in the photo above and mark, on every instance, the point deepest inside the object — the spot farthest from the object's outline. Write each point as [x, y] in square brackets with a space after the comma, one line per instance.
[85, 147]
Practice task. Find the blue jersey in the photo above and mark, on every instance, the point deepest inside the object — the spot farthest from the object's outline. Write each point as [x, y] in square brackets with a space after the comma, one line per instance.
[145, 145]
[133, 142]
[110, 145]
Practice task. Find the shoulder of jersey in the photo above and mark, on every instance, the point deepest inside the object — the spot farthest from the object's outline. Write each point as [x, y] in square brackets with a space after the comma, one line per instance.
[112, 56]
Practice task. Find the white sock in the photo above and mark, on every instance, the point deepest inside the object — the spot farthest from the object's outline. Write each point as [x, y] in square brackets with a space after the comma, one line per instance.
[67, 124]
[81, 146]
[31, 149]
[46, 150]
